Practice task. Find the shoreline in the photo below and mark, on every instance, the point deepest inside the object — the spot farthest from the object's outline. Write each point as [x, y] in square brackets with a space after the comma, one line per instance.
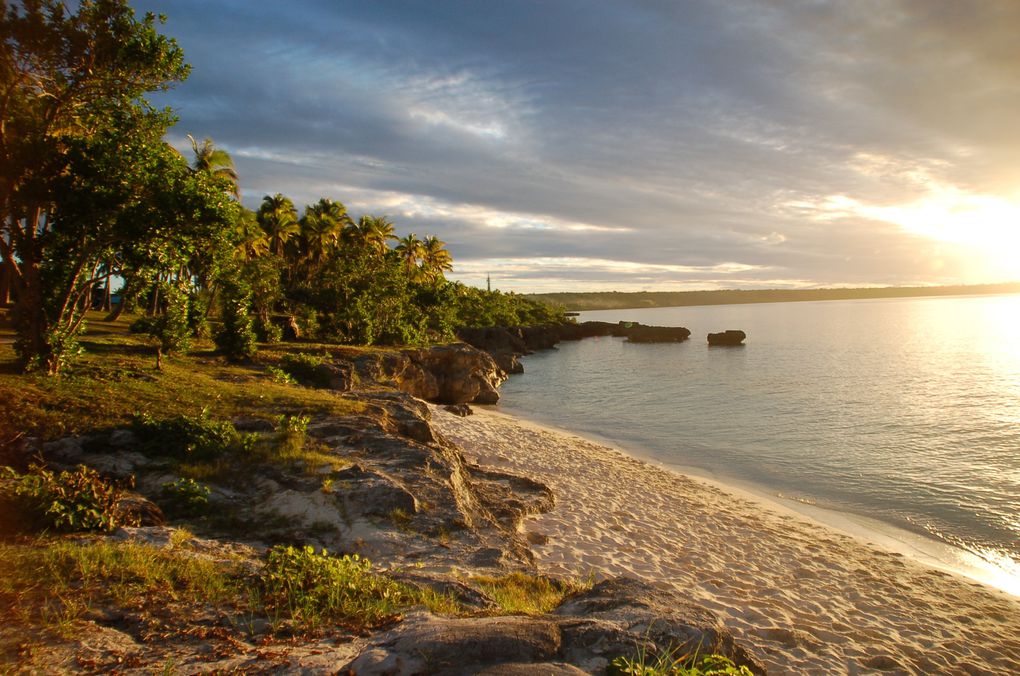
[810, 597]
[918, 547]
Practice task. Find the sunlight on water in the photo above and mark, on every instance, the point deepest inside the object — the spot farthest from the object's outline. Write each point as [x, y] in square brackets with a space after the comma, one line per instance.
[906, 411]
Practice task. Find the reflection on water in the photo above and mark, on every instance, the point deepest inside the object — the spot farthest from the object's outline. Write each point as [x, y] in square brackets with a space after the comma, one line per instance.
[903, 410]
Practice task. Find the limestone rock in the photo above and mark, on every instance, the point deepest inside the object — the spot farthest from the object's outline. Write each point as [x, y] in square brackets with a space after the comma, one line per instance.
[730, 337]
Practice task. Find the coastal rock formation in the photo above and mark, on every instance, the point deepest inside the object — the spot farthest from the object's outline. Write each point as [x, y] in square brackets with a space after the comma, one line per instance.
[506, 344]
[445, 374]
[616, 618]
[730, 337]
[639, 333]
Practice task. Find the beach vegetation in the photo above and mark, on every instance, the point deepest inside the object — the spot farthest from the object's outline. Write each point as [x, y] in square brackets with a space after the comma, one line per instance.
[527, 594]
[68, 501]
[674, 662]
[312, 588]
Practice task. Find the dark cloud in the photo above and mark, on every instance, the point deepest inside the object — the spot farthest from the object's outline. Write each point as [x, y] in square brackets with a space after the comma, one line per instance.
[655, 133]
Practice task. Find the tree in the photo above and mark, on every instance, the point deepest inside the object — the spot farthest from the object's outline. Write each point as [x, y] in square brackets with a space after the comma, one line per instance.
[409, 249]
[373, 233]
[321, 229]
[79, 149]
[279, 220]
[435, 259]
[217, 163]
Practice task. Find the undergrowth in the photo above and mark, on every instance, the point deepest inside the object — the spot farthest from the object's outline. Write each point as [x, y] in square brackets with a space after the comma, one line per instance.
[521, 593]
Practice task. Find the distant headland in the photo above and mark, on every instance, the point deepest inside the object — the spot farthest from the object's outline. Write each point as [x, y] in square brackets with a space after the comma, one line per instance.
[618, 300]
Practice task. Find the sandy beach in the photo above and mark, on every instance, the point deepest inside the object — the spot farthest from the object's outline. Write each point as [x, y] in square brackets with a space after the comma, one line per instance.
[808, 598]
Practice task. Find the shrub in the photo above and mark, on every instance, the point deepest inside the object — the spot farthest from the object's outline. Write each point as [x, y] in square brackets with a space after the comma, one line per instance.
[237, 337]
[191, 437]
[304, 368]
[312, 588]
[80, 500]
[280, 376]
[185, 497]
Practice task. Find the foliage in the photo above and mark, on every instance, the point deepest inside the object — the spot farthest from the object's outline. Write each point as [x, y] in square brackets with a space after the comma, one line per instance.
[668, 663]
[172, 330]
[80, 500]
[86, 176]
[528, 594]
[192, 438]
[304, 368]
[315, 588]
[185, 497]
[278, 375]
[237, 337]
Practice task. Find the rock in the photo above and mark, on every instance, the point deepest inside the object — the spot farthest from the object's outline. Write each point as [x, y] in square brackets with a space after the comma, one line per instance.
[639, 333]
[462, 410]
[730, 337]
[583, 635]
[123, 439]
[441, 646]
[338, 375]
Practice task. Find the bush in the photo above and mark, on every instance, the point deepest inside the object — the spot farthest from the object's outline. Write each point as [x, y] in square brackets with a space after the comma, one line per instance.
[193, 438]
[80, 500]
[312, 588]
[304, 368]
[185, 497]
[237, 337]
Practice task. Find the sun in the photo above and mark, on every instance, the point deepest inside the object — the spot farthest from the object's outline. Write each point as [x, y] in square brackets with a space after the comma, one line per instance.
[987, 225]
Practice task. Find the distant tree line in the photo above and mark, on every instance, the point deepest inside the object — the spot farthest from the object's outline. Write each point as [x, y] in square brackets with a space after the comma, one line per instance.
[90, 193]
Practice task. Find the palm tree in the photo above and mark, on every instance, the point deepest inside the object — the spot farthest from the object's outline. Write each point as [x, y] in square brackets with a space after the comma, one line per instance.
[278, 219]
[322, 227]
[216, 162]
[410, 250]
[435, 258]
[253, 240]
[374, 232]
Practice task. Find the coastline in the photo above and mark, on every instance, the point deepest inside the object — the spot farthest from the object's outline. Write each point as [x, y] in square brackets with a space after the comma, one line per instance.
[869, 531]
[810, 597]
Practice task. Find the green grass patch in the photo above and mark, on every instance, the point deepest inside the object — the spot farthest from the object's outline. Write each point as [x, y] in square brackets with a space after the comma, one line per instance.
[314, 589]
[672, 663]
[524, 594]
[116, 380]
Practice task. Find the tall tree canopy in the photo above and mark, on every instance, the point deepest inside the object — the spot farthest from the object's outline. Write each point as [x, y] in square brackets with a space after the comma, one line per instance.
[83, 168]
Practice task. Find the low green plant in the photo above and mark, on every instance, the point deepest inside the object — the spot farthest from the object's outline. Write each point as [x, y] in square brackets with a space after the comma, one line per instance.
[192, 438]
[185, 497]
[278, 375]
[78, 500]
[521, 593]
[313, 588]
[669, 663]
[304, 368]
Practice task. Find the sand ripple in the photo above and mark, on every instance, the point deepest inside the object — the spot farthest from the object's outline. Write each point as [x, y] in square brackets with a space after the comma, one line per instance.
[811, 599]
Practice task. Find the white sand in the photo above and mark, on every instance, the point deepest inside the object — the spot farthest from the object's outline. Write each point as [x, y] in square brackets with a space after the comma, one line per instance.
[809, 598]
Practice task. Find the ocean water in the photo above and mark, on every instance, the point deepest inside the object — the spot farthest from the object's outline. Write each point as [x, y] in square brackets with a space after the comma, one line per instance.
[905, 412]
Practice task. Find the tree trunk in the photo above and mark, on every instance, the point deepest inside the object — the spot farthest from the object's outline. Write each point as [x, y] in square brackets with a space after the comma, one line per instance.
[5, 284]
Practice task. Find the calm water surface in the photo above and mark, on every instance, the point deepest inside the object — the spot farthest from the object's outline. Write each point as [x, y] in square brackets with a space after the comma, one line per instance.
[902, 410]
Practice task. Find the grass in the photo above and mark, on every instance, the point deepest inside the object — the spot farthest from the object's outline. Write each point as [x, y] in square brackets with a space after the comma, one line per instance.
[672, 662]
[116, 379]
[50, 585]
[524, 594]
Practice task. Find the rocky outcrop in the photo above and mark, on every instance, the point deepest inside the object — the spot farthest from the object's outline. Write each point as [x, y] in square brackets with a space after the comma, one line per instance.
[506, 344]
[638, 333]
[445, 374]
[616, 618]
[730, 337]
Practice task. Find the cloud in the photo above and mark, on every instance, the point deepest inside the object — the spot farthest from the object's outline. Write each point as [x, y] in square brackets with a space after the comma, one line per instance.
[673, 138]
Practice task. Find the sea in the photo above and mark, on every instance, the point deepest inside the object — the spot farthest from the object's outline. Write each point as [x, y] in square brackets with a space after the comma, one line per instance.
[895, 419]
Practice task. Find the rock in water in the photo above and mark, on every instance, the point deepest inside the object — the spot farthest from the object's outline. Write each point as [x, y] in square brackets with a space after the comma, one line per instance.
[730, 337]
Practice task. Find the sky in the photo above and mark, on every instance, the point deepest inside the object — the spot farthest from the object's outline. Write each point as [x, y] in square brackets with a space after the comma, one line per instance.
[662, 145]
